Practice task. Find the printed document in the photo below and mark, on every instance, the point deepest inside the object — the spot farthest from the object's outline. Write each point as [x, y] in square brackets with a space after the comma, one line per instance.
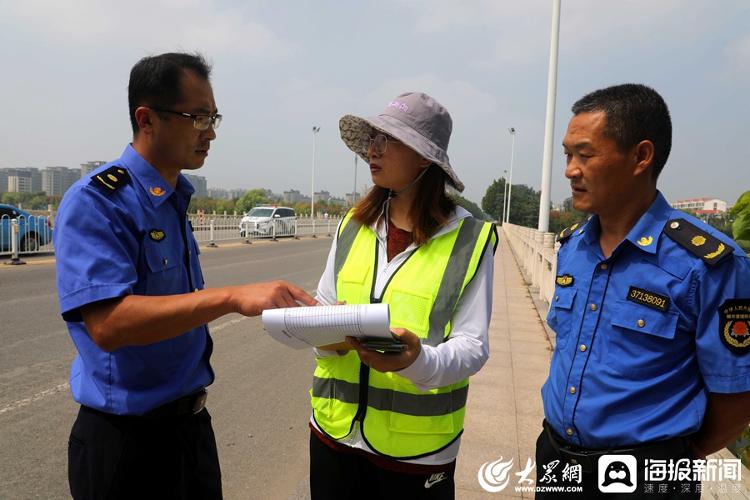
[304, 327]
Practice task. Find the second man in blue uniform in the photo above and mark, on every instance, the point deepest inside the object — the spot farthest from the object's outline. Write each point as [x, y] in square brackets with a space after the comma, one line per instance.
[651, 311]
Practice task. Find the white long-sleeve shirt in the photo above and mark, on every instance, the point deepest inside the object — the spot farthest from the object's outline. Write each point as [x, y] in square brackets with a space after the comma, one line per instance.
[460, 356]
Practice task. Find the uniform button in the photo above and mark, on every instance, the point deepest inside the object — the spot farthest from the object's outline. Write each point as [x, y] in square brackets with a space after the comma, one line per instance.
[583, 347]
[574, 461]
[572, 390]
[196, 289]
[640, 323]
[603, 266]
[593, 307]
[674, 225]
[569, 431]
[166, 261]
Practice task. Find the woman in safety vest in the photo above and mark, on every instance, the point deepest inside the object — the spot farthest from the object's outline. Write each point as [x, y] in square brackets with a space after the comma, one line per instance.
[388, 425]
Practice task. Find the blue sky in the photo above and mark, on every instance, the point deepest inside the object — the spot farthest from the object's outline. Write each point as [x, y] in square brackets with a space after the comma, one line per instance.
[282, 67]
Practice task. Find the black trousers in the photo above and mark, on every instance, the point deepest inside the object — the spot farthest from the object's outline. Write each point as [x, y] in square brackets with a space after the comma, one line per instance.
[546, 454]
[125, 457]
[344, 476]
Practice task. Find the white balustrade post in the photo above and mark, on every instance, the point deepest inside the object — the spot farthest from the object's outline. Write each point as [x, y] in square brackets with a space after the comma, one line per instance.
[15, 233]
[211, 244]
[536, 276]
[247, 241]
[547, 287]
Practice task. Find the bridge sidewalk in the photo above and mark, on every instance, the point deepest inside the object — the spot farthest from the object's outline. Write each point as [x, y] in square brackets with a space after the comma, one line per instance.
[504, 414]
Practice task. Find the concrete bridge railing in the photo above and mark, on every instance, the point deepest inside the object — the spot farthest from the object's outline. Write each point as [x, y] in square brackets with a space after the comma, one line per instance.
[536, 253]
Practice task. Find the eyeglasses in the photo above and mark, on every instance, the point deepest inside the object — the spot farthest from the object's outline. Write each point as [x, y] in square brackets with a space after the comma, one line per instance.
[200, 122]
[379, 143]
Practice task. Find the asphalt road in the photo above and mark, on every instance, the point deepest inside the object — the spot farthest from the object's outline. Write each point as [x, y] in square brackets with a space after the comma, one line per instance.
[259, 401]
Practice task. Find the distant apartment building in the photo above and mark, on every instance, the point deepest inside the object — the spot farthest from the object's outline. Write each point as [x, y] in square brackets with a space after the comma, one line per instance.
[702, 206]
[352, 198]
[57, 180]
[226, 194]
[322, 196]
[292, 196]
[218, 193]
[19, 184]
[90, 166]
[3, 181]
[334, 200]
[23, 180]
[199, 184]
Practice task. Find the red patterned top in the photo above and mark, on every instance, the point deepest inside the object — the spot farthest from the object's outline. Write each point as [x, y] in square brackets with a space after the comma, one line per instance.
[398, 240]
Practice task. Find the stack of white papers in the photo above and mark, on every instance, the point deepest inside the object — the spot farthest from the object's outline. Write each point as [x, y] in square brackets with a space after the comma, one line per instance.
[304, 327]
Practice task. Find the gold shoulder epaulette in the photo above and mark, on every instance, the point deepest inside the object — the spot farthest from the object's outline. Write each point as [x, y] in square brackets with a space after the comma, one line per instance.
[566, 233]
[697, 241]
[110, 180]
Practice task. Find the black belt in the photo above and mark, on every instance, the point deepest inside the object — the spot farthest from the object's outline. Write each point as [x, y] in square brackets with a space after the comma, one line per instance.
[587, 458]
[190, 404]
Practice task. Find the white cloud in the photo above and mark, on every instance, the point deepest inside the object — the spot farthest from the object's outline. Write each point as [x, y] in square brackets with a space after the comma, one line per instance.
[738, 57]
[521, 29]
[152, 25]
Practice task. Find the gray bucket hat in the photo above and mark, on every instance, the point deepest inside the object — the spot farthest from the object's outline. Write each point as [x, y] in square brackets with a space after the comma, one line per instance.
[415, 119]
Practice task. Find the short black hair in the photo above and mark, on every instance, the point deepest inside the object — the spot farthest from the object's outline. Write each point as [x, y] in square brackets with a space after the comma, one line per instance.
[634, 113]
[155, 80]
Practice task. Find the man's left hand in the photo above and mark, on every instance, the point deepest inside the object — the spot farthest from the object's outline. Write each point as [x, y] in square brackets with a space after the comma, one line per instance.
[384, 362]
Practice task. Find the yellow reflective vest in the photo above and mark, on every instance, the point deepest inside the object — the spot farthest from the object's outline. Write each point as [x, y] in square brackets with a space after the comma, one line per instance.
[396, 418]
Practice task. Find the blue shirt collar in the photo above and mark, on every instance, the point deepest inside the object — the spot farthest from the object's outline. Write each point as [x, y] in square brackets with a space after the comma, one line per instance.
[156, 188]
[645, 234]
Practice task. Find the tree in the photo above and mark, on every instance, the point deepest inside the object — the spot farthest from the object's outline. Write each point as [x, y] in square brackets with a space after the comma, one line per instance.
[561, 219]
[470, 206]
[251, 199]
[741, 224]
[524, 203]
[494, 199]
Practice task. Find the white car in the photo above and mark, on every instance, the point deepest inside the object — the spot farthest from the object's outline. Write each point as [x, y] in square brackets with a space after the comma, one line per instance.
[260, 221]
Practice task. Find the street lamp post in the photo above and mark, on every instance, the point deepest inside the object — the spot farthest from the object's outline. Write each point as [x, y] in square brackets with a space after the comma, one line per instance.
[315, 131]
[505, 194]
[549, 125]
[510, 181]
[354, 193]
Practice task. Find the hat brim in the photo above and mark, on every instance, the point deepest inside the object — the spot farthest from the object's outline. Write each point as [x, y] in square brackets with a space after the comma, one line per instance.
[354, 129]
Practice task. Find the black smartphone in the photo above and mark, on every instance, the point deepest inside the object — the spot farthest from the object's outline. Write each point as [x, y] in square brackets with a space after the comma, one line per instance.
[383, 345]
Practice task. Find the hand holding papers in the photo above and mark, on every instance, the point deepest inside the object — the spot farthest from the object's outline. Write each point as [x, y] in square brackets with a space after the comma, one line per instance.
[304, 327]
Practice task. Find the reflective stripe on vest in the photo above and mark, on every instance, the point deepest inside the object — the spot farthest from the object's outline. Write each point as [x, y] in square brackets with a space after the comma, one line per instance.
[419, 405]
[399, 420]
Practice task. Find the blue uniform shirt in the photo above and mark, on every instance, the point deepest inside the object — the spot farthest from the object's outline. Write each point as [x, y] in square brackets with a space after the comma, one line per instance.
[639, 334]
[122, 230]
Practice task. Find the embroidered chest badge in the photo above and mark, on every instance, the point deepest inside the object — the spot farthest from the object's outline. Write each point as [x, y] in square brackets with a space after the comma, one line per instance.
[564, 280]
[157, 191]
[157, 234]
[734, 325]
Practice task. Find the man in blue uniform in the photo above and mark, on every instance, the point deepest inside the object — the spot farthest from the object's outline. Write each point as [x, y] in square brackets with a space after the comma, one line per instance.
[651, 312]
[131, 291]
